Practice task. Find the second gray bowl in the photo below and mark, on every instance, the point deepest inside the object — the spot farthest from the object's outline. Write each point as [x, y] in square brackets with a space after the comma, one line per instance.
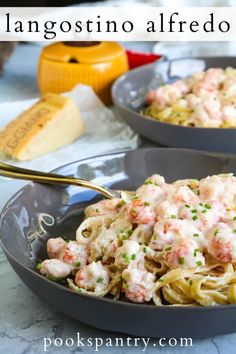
[129, 93]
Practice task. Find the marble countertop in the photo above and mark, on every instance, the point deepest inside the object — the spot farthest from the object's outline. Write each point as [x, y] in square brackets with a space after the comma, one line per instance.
[24, 319]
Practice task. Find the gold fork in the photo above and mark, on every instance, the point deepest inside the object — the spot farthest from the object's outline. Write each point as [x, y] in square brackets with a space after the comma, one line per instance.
[53, 178]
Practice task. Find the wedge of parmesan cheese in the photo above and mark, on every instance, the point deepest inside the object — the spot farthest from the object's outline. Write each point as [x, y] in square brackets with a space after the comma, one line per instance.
[52, 122]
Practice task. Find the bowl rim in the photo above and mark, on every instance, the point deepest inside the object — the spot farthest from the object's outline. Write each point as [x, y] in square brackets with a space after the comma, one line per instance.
[105, 299]
[138, 115]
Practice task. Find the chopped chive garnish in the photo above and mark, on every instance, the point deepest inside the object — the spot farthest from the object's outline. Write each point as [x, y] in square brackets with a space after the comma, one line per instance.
[234, 218]
[181, 260]
[194, 211]
[187, 206]
[196, 235]
[198, 192]
[190, 282]
[77, 264]
[199, 263]
[168, 248]
[161, 280]
[124, 282]
[99, 280]
[146, 203]
[195, 217]
[196, 251]
[97, 210]
[144, 249]
[173, 216]
[204, 211]
[133, 257]
[207, 206]
[121, 203]
[124, 234]
[234, 231]
[216, 232]
[124, 255]
[201, 204]
[145, 243]
[149, 181]
[39, 266]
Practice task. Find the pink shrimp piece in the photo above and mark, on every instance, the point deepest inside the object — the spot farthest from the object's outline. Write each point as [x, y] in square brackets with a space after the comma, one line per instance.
[211, 80]
[79, 277]
[55, 247]
[54, 269]
[129, 248]
[167, 95]
[137, 294]
[137, 284]
[184, 253]
[222, 250]
[184, 194]
[208, 113]
[149, 193]
[193, 100]
[139, 213]
[167, 231]
[74, 254]
[164, 234]
[214, 75]
[221, 188]
[166, 209]
[167, 189]
[182, 86]
[230, 86]
[172, 258]
[150, 96]
[211, 188]
[155, 179]
[229, 114]
[213, 109]
[93, 277]
[161, 96]
[227, 216]
[222, 242]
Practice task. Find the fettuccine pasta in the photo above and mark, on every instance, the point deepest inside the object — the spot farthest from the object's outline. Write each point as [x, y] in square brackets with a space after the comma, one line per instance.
[167, 244]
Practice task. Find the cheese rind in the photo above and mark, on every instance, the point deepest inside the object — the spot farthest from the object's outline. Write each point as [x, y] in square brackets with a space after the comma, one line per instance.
[51, 123]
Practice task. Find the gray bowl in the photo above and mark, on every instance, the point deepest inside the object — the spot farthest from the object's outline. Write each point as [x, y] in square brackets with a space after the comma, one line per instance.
[129, 92]
[38, 212]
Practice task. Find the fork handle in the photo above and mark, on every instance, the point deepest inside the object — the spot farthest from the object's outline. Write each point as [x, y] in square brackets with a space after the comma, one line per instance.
[51, 178]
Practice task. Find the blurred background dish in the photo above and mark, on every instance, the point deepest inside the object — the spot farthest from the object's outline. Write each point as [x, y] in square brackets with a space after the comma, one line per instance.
[129, 97]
